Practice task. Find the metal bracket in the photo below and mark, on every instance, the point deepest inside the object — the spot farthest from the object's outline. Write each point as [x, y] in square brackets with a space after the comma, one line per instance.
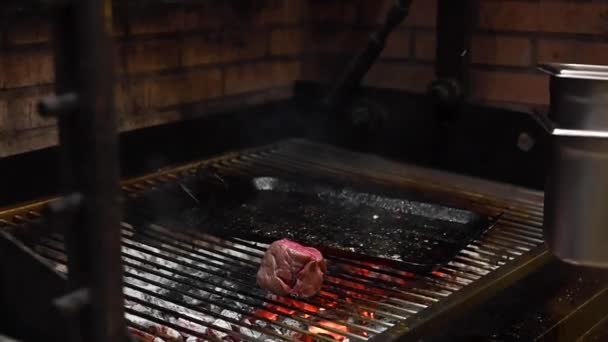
[356, 71]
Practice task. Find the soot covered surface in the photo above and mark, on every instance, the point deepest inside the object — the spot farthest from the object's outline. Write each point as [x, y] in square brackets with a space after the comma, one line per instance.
[342, 221]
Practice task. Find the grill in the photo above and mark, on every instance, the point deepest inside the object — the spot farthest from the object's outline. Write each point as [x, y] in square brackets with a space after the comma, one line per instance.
[189, 286]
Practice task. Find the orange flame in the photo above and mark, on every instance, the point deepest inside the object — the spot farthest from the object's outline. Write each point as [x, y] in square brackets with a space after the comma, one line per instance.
[272, 311]
[320, 331]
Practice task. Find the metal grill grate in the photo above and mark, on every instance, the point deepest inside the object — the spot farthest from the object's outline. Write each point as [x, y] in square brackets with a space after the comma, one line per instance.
[191, 286]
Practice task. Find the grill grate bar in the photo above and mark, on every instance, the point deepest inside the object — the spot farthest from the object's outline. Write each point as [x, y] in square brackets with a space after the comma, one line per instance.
[337, 287]
[248, 282]
[129, 274]
[216, 315]
[251, 280]
[515, 243]
[402, 278]
[56, 256]
[178, 314]
[192, 236]
[523, 239]
[488, 246]
[394, 297]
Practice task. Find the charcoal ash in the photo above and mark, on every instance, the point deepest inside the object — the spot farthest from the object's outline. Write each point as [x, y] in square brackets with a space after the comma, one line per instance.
[249, 332]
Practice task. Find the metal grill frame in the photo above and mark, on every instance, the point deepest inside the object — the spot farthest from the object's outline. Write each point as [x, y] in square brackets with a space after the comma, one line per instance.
[518, 234]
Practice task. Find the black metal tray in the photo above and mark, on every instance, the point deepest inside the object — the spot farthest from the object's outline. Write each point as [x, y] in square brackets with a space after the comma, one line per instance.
[379, 227]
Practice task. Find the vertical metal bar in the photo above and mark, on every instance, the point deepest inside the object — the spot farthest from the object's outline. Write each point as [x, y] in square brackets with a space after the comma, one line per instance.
[88, 138]
[455, 23]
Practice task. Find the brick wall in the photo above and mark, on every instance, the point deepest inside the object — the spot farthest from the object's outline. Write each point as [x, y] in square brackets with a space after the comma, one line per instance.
[168, 60]
[511, 37]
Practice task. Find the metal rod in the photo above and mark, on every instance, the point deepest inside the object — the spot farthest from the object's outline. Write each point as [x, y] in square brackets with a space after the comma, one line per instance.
[88, 144]
[361, 64]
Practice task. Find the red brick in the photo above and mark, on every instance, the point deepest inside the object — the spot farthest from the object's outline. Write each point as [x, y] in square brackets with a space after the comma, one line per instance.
[130, 96]
[572, 51]
[120, 58]
[574, 17]
[3, 72]
[209, 16]
[373, 12]
[151, 119]
[498, 86]
[414, 78]
[425, 46]
[3, 115]
[331, 12]
[323, 68]
[423, 13]
[258, 76]
[161, 22]
[28, 140]
[339, 42]
[243, 45]
[152, 55]
[546, 16]
[509, 15]
[255, 13]
[26, 68]
[500, 50]
[269, 12]
[183, 88]
[23, 112]
[201, 49]
[398, 45]
[286, 42]
[29, 31]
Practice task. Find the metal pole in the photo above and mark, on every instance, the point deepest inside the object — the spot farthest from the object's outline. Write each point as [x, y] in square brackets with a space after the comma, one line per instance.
[84, 107]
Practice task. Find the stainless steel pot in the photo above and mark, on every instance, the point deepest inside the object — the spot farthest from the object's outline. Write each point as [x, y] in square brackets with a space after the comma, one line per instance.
[576, 191]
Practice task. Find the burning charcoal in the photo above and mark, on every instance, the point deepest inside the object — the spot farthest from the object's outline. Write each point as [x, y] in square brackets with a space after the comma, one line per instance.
[170, 334]
[192, 326]
[231, 314]
[61, 268]
[248, 332]
[195, 339]
[220, 334]
[322, 332]
[290, 268]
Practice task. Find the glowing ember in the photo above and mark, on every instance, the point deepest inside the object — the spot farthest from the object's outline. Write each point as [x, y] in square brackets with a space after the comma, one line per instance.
[439, 274]
[368, 314]
[320, 331]
[142, 336]
[271, 311]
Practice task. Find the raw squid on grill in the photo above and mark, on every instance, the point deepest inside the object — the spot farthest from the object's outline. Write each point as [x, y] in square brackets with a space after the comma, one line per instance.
[289, 268]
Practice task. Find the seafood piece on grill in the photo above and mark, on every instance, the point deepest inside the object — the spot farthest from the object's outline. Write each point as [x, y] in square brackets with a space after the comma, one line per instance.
[289, 268]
